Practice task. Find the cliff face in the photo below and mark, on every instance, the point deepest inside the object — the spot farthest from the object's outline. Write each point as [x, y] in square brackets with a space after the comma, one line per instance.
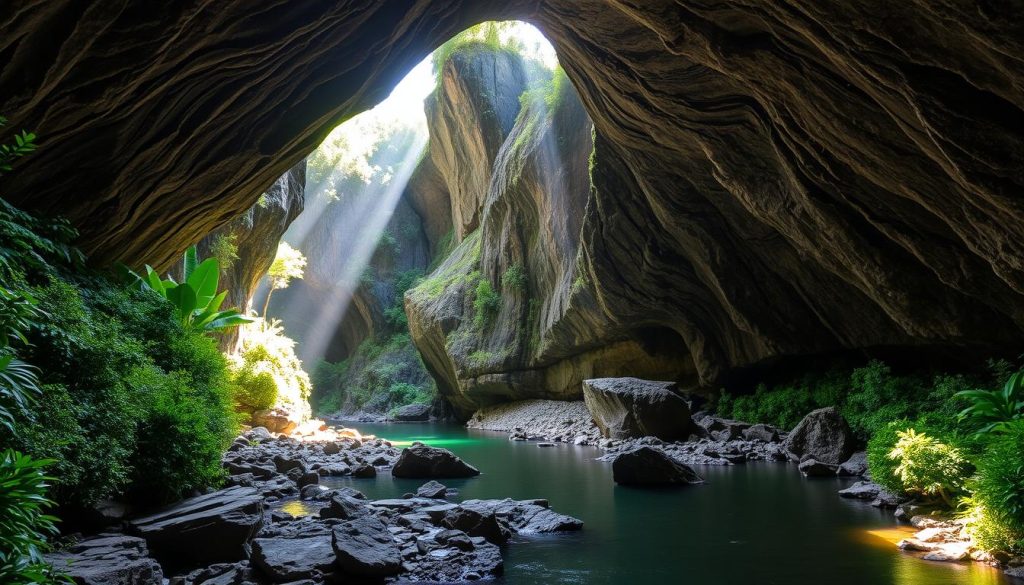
[770, 178]
[490, 320]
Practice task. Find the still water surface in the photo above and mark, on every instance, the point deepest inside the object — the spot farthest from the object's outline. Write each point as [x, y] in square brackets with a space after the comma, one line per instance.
[758, 523]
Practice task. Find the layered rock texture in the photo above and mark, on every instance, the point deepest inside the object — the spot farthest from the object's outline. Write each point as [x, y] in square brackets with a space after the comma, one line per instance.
[770, 179]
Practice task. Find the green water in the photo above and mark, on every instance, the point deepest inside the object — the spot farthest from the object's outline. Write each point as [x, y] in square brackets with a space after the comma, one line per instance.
[760, 523]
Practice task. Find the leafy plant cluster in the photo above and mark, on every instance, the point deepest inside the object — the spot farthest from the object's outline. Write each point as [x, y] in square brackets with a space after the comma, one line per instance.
[265, 372]
[486, 304]
[377, 377]
[870, 397]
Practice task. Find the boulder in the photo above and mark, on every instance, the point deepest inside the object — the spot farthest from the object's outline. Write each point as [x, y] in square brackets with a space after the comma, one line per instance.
[431, 489]
[479, 521]
[364, 546]
[291, 559]
[646, 466]
[277, 420]
[206, 529]
[364, 471]
[823, 435]
[761, 432]
[413, 413]
[108, 559]
[862, 490]
[815, 468]
[625, 408]
[855, 466]
[345, 507]
[423, 462]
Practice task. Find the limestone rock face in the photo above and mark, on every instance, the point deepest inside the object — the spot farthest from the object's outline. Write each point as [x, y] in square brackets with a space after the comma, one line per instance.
[770, 179]
[626, 408]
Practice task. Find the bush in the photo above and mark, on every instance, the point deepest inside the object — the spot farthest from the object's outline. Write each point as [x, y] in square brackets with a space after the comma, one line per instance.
[999, 486]
[915, 459]
[266, 372]
[182, 434]
[486, 304]
[514, 278]
[24, 526]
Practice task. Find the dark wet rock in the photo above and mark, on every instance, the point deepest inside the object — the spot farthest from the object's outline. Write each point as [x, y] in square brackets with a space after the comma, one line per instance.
[823, 435]
[364, 546]
[815, 468]
[205, 529]
[423, 462]
[761, 432]
[479, 521]
[307, 479]
[630, 408]
[525, 516]
[862, 490]
[364, 471]
[886, 500]
[108, 559]
[240, 573]
[855, 466]
[291, 559]
[646, 466]
[413, 413]
[344, 507]
[432, 489]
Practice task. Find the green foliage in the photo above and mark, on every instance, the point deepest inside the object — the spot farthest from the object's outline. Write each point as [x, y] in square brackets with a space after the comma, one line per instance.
[998, 490]
[486, 304]
[994, 410]
[378, 377]
[990, 530]
[29, 245]
[883, 468]
[928, 467]
[395, 315]
[24, 144]
[182, 434]
[225, 249]
[870, 397]
[196, 301]
[484, 36]
[24, 524]
[514, 278]
[266, 372]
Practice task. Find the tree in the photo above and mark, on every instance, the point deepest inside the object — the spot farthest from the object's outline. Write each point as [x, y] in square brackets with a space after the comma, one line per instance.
[288, 264]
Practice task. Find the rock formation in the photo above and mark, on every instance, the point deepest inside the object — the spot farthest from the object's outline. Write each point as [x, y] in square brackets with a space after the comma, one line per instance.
[770, 179]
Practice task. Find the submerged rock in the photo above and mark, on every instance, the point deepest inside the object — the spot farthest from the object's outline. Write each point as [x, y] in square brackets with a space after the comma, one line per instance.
[815, 468]
[823, 435]
[432, 489]
[421, 461]
[108, 559]
[649, 467]
[205, 529]
[626, 408]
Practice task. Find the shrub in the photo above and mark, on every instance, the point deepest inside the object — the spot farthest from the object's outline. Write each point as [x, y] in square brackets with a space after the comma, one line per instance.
[999, 484]
[993, 411]
[883, 468]
[266, 372]
[24, 525]
[514, 278]
[989, 529]
[486, 304]
[927, 466]
[182, 434]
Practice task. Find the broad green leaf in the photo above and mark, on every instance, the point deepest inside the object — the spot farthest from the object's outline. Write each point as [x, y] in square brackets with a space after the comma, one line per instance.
[191, 260]
[203, 280]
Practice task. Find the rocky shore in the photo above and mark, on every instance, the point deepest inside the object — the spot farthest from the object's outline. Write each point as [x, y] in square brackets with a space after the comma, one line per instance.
[239, 536]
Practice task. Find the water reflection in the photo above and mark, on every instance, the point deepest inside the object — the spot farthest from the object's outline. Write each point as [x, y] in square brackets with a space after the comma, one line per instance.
[756, 523]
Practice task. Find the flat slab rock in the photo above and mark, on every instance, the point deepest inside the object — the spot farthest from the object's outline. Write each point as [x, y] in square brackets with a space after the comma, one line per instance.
[423, 462]
[292, 559]
[364, 546]
[108, 559]
[625, 408]
[646, 466]
[205, 529]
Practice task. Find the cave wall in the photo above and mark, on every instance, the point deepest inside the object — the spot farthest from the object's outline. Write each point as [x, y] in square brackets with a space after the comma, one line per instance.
[771, 178]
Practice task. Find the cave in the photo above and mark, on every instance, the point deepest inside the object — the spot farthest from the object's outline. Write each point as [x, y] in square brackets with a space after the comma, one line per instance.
[668, 242]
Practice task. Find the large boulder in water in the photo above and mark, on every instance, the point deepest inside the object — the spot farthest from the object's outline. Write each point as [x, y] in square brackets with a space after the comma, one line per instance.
[206, 529]
[649, 467]
[626, 408]
[364, 546]
[823, 435]
[413, 413]
[423, 462]
[108, 559]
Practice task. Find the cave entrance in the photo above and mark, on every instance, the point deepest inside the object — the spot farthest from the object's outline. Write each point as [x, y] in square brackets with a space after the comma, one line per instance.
[377, 219]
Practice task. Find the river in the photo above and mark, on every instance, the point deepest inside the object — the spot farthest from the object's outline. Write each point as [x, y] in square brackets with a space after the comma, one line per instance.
[758, 523]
